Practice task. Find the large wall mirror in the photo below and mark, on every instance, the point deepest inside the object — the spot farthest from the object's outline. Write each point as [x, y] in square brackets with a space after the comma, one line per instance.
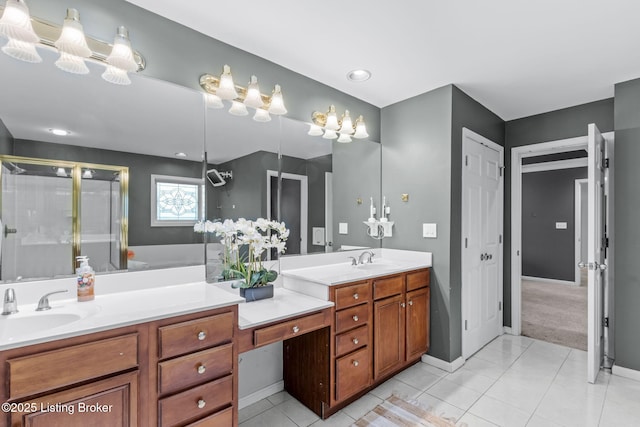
[138, 130]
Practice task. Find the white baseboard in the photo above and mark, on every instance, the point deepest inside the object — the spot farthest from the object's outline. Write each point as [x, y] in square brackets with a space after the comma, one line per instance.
[625, 372]
[257, 396]
[544, 279]
[507, 330]
[441, 364]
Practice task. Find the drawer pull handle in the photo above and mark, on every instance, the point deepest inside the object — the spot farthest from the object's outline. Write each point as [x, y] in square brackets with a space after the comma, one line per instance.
[355, 318]
[296, 329]
[201, 403]
[201, 369]
[355, 341]
[202, 335]
[355, 363]
[356, 296]
[403, 305]
[410, 302]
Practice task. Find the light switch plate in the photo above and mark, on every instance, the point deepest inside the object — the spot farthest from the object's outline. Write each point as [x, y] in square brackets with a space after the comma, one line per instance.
[561, 225]
[318, 236]
[429, 231]
[343, 228]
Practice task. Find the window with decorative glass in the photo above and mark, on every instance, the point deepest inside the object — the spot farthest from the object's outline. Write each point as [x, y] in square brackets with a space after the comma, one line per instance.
[176, 201]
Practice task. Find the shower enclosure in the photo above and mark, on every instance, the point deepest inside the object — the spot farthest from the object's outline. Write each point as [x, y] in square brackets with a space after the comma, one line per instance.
[53, 211]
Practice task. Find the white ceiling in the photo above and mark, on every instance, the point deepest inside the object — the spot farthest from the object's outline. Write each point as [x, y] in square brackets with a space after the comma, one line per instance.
[518, 58]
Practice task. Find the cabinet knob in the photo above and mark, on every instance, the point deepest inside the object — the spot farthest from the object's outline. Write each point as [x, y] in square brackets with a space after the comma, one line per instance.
[410, 302]
[201, 403]
[201, 369]
[356, 296]
[355, 341]
[296, 329]
[355, 318]
[202, 335]
[403, 305]
[355, 363]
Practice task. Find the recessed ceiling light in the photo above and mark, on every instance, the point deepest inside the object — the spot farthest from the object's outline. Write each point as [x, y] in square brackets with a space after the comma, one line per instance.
[181, 155]
[359, 75]
[60, 132]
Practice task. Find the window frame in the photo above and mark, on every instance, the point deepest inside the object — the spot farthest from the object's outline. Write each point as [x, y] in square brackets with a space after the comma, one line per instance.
[169, 179]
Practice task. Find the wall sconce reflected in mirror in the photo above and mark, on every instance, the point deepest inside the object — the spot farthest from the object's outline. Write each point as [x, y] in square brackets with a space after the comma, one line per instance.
[330, 127]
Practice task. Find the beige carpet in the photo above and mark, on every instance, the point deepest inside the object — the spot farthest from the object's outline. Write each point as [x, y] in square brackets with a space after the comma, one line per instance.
[396, 411]
[555, 313]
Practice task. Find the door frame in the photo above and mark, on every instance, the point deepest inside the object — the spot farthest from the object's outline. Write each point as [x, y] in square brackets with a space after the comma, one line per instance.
[578, 226]
[469, 134]
[304, 203]
[517, 154]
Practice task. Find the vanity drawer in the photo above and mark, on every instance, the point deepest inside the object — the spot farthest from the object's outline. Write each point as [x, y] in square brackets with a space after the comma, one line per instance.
[353, 372]
[387, 287]
[352, 340]
[418, 279]
[186, 371]
[194, 335]
[290, 329]
[352, 295]
[196, 403]
[40, 372]
[352, 317]
[223, 418]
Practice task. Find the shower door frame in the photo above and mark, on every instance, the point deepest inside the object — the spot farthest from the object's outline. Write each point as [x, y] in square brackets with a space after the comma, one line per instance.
[76, 178]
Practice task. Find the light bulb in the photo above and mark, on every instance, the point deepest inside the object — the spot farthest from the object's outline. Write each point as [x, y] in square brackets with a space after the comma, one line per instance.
[116, 76]
[213, 101]
[16, 22]
[22, 50]
[121, 55]
[347, 125]
[314, 130]
[253, 98]
[344, 138]
[238, 109]
[361, 129]
[262, 115]
[226, 87]
[277, 102]
[332, 119]
[330, 134]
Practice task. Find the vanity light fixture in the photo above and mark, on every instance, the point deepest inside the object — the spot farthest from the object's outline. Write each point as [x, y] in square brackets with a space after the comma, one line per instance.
[61, 172]
[25, 33]
[222, 88]
[330, 127]
[88, 174]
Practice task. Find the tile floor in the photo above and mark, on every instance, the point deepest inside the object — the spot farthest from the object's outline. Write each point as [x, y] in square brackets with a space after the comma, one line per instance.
[513, 381]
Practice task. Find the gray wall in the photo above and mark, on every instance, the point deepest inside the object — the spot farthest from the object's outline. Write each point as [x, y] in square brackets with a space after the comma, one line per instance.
[549, 197]
[555, 125]
[181, 55]
[6, 140]
[626, 239]
[141, 168]
[316, 169]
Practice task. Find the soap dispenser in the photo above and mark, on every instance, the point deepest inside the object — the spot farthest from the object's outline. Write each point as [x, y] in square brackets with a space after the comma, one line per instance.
[86, 279]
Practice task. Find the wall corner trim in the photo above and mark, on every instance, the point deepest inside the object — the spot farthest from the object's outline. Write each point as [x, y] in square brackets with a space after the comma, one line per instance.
[625, 372]
[263, 393]
[441, 364]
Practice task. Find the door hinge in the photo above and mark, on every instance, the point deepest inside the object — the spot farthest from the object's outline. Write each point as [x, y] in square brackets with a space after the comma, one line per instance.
[466, 243]
[465, 325]
[500, 238]
[499, 305]
[605, 322]
[466, 160]
[501, 169]
[606, 163]
[606, 241]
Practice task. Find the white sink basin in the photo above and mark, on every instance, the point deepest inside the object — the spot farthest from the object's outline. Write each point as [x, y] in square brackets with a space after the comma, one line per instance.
[344, 272]
[29, 322]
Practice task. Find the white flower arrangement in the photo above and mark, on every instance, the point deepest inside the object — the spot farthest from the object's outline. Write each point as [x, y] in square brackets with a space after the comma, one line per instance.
[258, 236]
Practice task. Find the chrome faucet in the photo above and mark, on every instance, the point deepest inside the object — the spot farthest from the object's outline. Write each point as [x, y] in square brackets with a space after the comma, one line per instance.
[354, 261]
[10, 305]
[43, 304]
[366, 255]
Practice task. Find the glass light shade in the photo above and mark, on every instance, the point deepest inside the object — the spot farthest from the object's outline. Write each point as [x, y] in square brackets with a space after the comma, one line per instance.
[87, 174]
[330, 134]
[121, 55]
[61, 172]
[344, 138]
[72, 39]
[116, 76]
[361, 129]
[22, 50]
[238, 109]
[71, 64]
[16, 22]
[226, 87]
[277, 102]
[332, 120]
[347, 124]
[262, 115]
[213, 101]
[253, 98]
[314, 130]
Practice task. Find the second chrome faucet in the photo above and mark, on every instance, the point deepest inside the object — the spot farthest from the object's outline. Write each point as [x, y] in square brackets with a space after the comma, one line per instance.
[364, 258]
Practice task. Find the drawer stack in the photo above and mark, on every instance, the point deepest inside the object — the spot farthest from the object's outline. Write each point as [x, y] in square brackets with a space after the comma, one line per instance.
[195, 372]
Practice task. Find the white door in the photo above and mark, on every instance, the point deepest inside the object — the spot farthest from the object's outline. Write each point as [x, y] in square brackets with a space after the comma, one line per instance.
[595, 252]
[328, 211]
[482, 203]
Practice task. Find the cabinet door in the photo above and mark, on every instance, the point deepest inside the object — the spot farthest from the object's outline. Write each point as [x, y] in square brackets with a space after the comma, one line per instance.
[389, 327]
[417, 323]
[112, 402]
